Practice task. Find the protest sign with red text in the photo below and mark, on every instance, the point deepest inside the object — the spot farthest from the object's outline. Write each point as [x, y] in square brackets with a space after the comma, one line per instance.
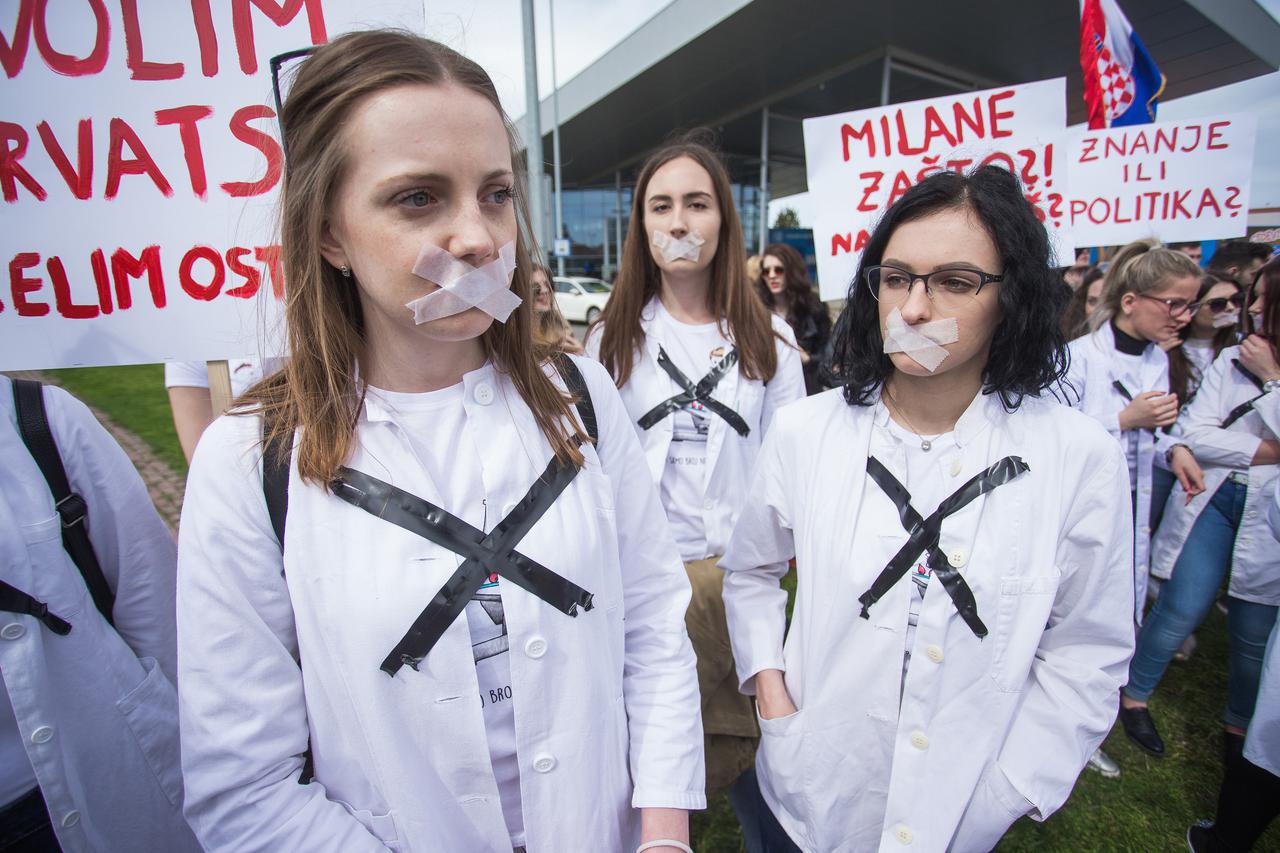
[139, 167]
[1174, 181]
[860, 162]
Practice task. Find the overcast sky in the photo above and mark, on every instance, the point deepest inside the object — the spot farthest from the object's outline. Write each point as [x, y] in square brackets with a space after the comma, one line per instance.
[491, 33]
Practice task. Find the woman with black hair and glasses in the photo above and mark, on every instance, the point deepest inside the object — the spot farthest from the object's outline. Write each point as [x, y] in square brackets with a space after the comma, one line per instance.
[904, 708]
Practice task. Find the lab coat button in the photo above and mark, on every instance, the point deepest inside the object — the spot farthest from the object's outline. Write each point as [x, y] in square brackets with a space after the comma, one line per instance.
[535, 648]
[934, 652]
[709, 505]
[71, 818]
[904, 835]
[43, 734]
[919, 741]
[956, 467]
[12, 631]
[957, 558]
[483, 393]
[544, 763]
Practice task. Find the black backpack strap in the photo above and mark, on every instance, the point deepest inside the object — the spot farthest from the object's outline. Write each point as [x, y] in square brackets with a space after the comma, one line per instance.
[277, 459]
[33, 424]
[577, 385]
[277, 456]
[14, 600]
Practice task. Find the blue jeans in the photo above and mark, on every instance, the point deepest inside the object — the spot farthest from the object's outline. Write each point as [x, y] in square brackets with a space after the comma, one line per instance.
[1185, 600]
[761, 832]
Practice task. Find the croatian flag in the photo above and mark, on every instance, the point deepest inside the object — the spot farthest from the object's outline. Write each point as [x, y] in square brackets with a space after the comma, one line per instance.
[1121, 80]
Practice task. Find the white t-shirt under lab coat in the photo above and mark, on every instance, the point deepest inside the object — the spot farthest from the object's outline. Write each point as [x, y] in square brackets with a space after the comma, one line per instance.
[436, 425]
[694, 349]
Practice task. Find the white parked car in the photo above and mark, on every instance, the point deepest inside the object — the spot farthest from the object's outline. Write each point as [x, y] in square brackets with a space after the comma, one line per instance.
[581, 299]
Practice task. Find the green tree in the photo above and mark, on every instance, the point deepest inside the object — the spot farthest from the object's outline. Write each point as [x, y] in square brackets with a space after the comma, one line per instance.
[787, 218]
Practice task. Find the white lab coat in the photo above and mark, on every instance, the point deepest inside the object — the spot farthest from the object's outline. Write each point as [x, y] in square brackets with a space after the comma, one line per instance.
[96, 708]
[1262, 744]
[730, 457]
[981, 731]
[1255, 559]
[1088, 387]
[606, 708]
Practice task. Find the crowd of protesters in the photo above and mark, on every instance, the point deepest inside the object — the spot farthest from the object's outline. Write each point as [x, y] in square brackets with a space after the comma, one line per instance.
[448, 579]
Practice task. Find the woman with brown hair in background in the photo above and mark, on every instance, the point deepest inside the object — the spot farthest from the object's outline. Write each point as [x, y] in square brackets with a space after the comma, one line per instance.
[785, 288]
[702, 367]
[550, 328]
[450, 508]
[1084, 299]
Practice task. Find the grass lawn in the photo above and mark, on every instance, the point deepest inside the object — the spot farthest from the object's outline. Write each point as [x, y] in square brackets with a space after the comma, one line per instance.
[1152, 803]
[135, 398]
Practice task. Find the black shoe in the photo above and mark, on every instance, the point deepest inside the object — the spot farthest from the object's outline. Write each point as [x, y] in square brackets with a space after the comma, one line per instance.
[1141, 729]
[1200, 838]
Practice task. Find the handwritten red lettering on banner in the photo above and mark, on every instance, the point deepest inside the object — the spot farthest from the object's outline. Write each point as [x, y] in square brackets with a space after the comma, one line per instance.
[204, 274]
[34, 23]
[1176, 180]
[929, 136]
[125, 119]
[860, 163]
[122, 148]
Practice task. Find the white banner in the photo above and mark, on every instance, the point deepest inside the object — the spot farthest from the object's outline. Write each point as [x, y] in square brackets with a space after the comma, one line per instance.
[139, 172]
[860, 162]
[1175, 181]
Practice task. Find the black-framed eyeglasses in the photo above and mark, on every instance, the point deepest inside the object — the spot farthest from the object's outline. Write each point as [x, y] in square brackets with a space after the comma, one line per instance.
[894, 283]
[276, 62]
[1219, 304]
[1176, 307]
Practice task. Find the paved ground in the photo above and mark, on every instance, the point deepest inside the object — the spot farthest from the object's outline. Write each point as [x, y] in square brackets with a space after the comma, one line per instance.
[165, 485]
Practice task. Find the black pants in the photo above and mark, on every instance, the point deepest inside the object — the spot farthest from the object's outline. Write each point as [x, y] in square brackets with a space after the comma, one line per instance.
[25, 826]
[1248, 801]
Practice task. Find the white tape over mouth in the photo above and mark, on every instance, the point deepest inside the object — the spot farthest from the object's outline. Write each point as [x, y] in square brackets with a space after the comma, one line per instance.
[921, 342]
[1226, 318]
[462, 286]
[687, 247]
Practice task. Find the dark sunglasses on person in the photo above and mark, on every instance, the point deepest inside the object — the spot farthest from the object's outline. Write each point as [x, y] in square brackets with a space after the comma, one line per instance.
[772, 271]
[1218, 305]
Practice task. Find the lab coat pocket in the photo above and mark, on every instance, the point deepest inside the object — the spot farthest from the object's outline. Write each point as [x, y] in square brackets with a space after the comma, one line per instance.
[1023, 612]
[995, 805]
[151, 712]
[780, 762]
[381, 826]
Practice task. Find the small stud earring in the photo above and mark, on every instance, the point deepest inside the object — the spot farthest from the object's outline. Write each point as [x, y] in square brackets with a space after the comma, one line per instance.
[345, 270]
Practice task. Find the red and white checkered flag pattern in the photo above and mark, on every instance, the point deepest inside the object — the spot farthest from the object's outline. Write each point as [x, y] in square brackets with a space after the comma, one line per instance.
[1116, 84]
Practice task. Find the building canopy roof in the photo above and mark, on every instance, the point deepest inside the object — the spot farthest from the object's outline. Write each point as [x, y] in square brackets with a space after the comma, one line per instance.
[717, 63]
